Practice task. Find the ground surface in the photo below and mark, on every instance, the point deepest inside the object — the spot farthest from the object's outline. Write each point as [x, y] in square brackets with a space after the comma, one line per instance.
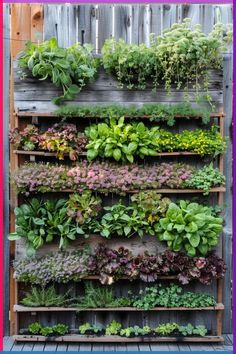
[9, 345]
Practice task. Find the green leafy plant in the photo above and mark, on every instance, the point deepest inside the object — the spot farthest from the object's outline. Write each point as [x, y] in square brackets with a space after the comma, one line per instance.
[97, 297]
[156, 112]
[69, 68]
[135, 331]
[60, 329]
[186, 55]
[40, 222]
[206, 178]
[88, 328]
[37, 328]
[121, 220]
[47, 331]
[124, 141]
[121, 141]
[44, 297]
[27, 139]
[190, 330]
[189, 226]
[132, 64]
[181, 56]
[152, 205]
[171, 296]
[84, 206]
[166, 329]
[63, 138]
[113, 328]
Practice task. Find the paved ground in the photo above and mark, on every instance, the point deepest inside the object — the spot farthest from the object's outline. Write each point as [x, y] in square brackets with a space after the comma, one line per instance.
[9, 345]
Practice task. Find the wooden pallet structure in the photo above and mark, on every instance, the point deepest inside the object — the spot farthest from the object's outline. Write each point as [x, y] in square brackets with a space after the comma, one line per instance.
[31, 103]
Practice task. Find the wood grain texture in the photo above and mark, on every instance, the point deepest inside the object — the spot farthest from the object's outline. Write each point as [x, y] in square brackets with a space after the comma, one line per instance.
[115, 339]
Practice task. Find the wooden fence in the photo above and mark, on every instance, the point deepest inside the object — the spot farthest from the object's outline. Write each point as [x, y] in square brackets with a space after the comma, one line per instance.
[94, 23]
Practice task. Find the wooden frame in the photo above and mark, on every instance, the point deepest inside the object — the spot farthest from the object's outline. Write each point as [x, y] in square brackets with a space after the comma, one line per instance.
[18, 309]
[30, 25]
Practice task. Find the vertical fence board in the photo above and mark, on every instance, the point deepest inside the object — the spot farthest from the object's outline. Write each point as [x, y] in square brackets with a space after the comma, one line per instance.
[87, 24]
[36, 22]
[122, 25]
[105, 24]
[50, 23]
[137, 26]
[227, 234]
[156, 19]
[6, 77]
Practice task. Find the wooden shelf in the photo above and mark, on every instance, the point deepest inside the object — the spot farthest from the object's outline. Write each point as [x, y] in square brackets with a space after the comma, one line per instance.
[164, 190]
[20, 308]
[114, 339]
[47, 153]
[53, 114]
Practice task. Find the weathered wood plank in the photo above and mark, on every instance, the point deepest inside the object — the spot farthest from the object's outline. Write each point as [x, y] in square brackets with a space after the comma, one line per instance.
[121, 347]
[6, 155]
[28, 347]
[105, 24]
[73, 348]
[144, 347]
[87, 24]
[156, 19]
[17, 347]
[50, 347]
[8, 343]
[122, 22]
[19, 308]
[62, 347]
[38, 347]
[138, 24]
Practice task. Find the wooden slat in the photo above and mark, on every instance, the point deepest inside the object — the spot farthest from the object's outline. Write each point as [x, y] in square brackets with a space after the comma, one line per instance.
[112, 339]
[19, 308]
[6, 156]
[52, 154]
[62, 347]
[167, 190]
[8, 343]
[122, 25]
[53, 114]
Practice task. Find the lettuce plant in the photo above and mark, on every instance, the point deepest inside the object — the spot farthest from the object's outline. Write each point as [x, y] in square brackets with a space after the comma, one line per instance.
[63, 138]
[59, 329]
[42, 222]
[26, 139]
[189, 226]
[110, 265]
[123, 142]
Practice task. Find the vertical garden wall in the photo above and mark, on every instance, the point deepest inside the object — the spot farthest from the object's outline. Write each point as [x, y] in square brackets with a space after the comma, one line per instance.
[119, 182]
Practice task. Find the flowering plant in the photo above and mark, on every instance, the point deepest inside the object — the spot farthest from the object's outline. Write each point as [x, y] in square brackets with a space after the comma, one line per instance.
[122, 141]
[180, 56]
[107, 177]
